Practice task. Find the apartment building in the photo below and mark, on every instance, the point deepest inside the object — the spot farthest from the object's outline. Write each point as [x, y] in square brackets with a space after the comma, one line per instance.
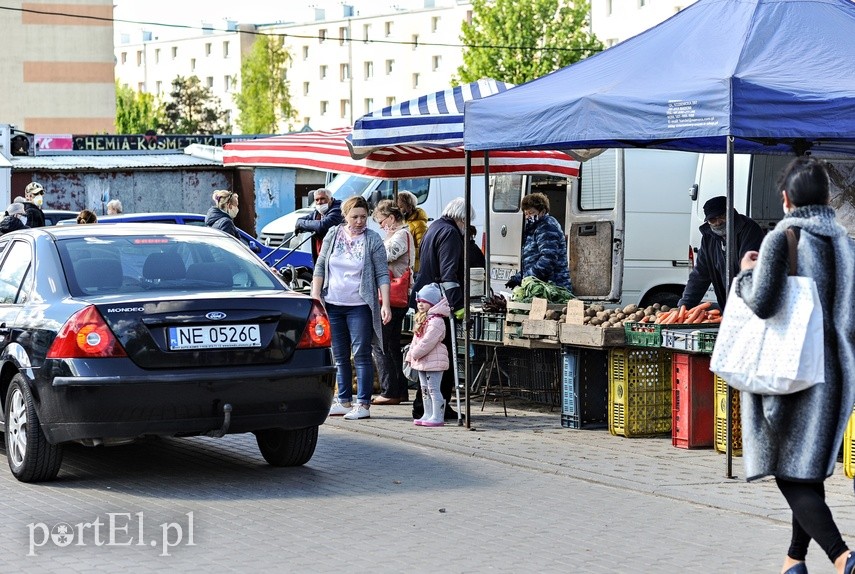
[56, 74]
[613, 21]
[343, 64]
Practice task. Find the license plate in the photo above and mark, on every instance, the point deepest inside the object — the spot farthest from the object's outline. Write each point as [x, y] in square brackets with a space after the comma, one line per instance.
[214, 337]
[501, 273]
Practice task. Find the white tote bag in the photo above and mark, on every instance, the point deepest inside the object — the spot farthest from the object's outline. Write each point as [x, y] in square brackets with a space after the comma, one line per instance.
[777, 356]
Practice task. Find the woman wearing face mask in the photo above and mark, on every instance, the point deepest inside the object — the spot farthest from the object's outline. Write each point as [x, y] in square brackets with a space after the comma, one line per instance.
[350, 270]
[400, 255]
[14, 219]
[544, 252]
[225, 209]
[711, 258]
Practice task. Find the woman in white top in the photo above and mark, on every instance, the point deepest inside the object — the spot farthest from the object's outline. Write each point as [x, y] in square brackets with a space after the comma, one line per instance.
[350, 270]
[400, 255]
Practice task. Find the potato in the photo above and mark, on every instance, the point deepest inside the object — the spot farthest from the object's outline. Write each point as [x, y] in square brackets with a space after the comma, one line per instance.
[620, 315]
[639, 315]
[597, 308]
[630, 309]
[657, 306]
[664, 308]
[602, 315]
[596, 321]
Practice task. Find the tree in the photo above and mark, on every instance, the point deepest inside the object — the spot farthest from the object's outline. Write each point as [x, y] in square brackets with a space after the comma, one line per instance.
[519, 40]
[193, 109]
[136, 112]
[264, 100]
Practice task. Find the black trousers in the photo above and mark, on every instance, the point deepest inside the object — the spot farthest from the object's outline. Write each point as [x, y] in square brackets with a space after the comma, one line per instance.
[388, 358]
[811, 519]
[446, 387]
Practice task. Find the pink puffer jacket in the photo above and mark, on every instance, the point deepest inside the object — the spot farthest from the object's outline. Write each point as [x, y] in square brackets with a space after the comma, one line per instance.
[427, 351]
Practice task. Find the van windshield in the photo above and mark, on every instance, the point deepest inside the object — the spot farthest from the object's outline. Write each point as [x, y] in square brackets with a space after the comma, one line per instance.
[346, 185]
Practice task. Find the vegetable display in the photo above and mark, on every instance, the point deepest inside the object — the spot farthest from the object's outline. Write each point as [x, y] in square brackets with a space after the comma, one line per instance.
[532, 287]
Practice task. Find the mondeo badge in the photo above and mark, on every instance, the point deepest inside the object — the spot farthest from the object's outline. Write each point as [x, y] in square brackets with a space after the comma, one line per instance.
[216, 315]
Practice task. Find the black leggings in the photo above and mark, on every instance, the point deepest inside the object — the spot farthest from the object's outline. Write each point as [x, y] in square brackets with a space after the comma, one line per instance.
[811, 519]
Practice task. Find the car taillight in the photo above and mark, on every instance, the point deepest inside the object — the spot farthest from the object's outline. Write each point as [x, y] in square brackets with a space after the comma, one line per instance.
[691, 256]
[317, 331]
[85, 335]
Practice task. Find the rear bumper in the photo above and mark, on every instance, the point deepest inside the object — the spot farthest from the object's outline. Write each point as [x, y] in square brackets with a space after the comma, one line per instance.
[91, 407]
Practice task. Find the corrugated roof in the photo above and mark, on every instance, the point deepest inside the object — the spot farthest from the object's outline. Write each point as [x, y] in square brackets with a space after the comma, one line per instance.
[107, 162]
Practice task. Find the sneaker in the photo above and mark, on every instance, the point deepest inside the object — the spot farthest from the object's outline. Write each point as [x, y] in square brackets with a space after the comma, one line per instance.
[339, 408]
[358, 412]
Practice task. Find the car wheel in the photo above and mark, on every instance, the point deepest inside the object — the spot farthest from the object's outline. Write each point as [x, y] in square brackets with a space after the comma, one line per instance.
[31, 457]
[281, 447]
[663, 297]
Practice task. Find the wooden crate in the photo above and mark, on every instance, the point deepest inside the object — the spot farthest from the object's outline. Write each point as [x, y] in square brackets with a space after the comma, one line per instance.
[519, 316]
[587, 336]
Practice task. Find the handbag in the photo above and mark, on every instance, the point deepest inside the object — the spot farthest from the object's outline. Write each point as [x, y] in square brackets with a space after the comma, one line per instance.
[399, 287]
[780, 355]
[409, 371]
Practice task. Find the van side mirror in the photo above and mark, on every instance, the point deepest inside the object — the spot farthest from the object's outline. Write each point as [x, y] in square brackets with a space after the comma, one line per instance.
[693, 192]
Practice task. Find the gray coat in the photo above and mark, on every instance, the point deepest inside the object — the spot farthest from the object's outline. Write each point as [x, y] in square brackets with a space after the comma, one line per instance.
[797, 437]
[374, 273]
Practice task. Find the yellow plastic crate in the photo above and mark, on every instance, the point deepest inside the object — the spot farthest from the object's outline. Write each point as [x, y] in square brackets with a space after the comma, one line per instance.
[849, 447]
[721, 419]
[639, 392]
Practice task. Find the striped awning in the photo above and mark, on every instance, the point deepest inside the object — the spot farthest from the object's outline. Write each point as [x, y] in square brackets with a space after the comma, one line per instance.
[328, 151]
[434, 120]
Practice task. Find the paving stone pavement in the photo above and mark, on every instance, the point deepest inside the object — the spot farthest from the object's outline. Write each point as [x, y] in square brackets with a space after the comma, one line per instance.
[515, 494]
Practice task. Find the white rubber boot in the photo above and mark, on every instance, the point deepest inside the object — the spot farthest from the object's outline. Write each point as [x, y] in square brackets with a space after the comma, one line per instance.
[428, 406]
[437, 418]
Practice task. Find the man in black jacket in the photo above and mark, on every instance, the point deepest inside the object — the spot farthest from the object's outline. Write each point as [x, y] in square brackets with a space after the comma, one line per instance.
[34, 197]
[325, 216]
[711, 259]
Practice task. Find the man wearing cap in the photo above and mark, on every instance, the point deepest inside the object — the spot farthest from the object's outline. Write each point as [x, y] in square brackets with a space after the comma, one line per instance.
[326, 215]
[14, 219]
[34, 197]
[711, 259]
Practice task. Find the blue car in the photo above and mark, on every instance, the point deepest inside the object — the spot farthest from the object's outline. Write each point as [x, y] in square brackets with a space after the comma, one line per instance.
[274, 257]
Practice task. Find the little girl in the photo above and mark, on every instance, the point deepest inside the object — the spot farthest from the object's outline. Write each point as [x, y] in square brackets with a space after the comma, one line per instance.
[428, 354]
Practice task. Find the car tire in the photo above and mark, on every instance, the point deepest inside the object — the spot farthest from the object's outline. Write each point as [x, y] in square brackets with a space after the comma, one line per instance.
[31, 457]
[282, 447]
[663, 297]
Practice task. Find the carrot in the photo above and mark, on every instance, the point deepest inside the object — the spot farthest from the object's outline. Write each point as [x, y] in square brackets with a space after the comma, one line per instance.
[694, 316]
[670, 317]
[681, 315]
[714, 312]
[644, 319]
[701, 307]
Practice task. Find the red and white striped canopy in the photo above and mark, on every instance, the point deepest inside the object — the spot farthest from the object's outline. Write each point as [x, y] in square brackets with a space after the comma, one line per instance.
[328, 151]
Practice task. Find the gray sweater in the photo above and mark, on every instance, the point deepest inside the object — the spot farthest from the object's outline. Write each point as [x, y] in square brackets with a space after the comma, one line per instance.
[797, 436]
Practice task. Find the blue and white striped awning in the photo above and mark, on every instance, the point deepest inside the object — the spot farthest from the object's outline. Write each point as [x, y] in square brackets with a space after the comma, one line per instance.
[431, 120]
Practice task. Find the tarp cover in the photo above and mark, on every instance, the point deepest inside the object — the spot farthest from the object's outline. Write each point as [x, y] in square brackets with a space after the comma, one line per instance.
[776, 74]
[434, 120]
[327, 151]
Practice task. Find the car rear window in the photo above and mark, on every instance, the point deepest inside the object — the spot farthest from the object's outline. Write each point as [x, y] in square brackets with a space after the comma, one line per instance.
[146, 263]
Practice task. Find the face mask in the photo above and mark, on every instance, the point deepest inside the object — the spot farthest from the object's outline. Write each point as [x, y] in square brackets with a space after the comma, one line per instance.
[720, 230]
[22, 219]
[39, 200]
[232, 211]
[530, 219]
[355, 230]
[322, 207]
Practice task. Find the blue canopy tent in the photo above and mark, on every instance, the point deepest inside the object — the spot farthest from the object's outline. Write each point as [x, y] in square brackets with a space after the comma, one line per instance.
[770, 76]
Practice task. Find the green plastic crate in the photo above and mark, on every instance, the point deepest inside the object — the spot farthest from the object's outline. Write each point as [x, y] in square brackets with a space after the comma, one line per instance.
[639, 392]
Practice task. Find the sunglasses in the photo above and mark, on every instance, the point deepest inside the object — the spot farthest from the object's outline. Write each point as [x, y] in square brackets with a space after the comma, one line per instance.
[42, 192]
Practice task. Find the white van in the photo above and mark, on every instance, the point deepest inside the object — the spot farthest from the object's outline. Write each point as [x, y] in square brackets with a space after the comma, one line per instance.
[625, 217]
[432, 194]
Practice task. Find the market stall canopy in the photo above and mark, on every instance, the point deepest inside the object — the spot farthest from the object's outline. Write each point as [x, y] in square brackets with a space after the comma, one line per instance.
[434, 120]
[328, 151]
[778, 75]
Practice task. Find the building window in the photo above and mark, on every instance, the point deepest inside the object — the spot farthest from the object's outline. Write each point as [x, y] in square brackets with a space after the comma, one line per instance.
[369, 70]
[343, 35]
[139, 58]
[227, 83]
[225, 49]
[305, 52]
[305, 88]
[366, 32]
[469, 16]
[157, 55]
[322, 35]
[391, 101]
[306, 120]
[207, 49]
[436, 62]
[434, 24]
[192, 64]
[642, 3]
[369, 105]
[325, 106]
[608, 7]
[390, 64]
[141, 87]
[344, 72]
[209, 81]
[174, 52]
[345, 108]
[159, 86]
[323, 70]
[387, 28]
[415, 80]
[415, 41]
[124, 57]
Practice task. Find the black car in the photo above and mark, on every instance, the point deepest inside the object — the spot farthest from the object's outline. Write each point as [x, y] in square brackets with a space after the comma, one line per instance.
[110, 333]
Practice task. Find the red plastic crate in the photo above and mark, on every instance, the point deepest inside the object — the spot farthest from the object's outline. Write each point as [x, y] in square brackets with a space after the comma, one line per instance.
[693, 401]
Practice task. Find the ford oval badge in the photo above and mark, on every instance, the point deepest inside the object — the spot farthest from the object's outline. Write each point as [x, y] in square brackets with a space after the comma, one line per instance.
[216, 315]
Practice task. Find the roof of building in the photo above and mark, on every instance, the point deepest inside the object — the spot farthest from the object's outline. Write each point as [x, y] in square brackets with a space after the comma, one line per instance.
[107, 162]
